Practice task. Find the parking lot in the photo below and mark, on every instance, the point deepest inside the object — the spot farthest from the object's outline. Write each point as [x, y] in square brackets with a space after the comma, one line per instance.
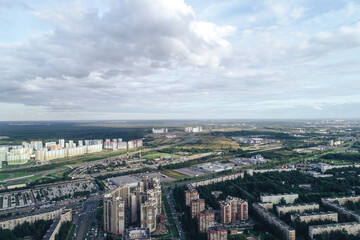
[16, 199]
[192, 171]
[63, 191]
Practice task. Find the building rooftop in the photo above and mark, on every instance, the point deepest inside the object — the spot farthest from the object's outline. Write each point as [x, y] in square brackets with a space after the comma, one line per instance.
[282, 194]
[136, 234]
[297, 205]
[334, 225]
[41, 211]
[217, 228]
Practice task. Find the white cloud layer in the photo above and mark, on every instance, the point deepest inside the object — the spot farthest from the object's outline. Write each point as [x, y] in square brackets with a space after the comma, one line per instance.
[173, 59]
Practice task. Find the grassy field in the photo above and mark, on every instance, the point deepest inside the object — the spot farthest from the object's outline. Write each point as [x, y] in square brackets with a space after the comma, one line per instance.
[57, 174]
[4, 176]
[214, 143]
[20, 174]
[158, 155]
[164, 141]
[173, 174]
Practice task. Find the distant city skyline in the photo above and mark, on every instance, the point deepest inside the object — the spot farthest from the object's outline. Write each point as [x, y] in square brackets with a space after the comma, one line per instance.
[179, 59]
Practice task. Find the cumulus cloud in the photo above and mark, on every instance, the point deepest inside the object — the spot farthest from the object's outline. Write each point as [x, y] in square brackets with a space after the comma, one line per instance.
[141, 57]
[96, 59]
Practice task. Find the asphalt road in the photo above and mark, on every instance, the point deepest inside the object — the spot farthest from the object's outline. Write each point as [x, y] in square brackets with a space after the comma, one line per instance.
[175, 215]
[86, 217]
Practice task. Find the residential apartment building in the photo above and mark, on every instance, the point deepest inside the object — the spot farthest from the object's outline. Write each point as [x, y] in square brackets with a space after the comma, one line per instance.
[190, 195]
[343, 200]
[296, 208]
[206, 219]
[315, 216]
[233, 209]
[341, 210]
[45, 214]
[197, 206]
[217, 233]
[215, 180]
[114, 210]
[276, 198]
[287, 231]
[139, 208]
[350, 227]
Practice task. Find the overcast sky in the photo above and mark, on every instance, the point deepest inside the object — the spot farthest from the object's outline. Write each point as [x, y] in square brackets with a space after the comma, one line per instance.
[176, 59]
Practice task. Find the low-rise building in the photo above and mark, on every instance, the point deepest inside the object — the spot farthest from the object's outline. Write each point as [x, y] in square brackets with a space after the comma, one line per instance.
[55, 226]
[297, 208]
[324, 166]
[251, 172]
[343, 200]
[341, 210]
[267, 205]
[44, 214]
[136, 234]
[276, 198]
[352, 228]
[215, 180]
[160, 130]
[288, 232]
[315, 216]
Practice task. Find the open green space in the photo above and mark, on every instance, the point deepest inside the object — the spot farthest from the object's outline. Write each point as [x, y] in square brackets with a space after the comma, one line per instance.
[24, 180]
[20, 174]
[165, 236]
[173, 174]
[159, 155]
[4, 176]
[213, 142]
[173, 228]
